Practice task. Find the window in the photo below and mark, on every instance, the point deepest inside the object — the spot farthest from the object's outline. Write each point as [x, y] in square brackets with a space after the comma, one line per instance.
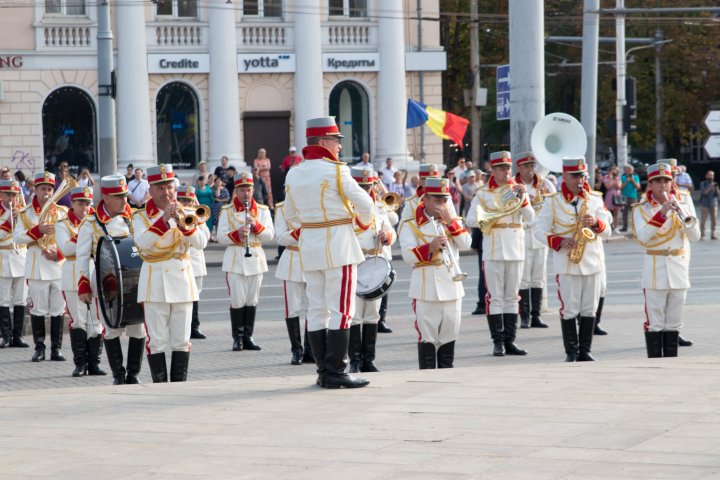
[65, 7]
[177, 8]
[349, 106]
[348, 8]
[262, 8]
[178, 138]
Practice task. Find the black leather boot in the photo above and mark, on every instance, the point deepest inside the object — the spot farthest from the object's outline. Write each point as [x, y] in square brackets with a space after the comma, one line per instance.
[585, 335]
[426, 356]
[136, 347]
[355, 348]
[5, 327]
[113, 351]
[336, 361]
[654, 344]
[78, 345]
[293, 328]
[536, 296]
[179, 366]
[158, 367]
[597, 330]
[249, 323]
[670, 343]
[237, 327]
[570, 339]
[38, 330]
[510, 323]
[495, 324]
[446, 355]
[18, 327]
[382, 326]
[94, 351]
[524, 308]
[195, 332]
[307, 350]
[318, 343]
[683, 342]
[369, 341]
[56, 338]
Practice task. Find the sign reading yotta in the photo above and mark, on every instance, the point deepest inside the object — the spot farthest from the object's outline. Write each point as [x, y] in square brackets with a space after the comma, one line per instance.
[266, 63]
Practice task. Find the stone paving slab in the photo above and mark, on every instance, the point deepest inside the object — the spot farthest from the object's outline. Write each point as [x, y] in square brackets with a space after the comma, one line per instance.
[650, 419]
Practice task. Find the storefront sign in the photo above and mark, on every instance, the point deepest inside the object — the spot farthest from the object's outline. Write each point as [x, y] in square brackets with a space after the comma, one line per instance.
[11, 61]
[266, 63]
[178, 63]
[351, 62]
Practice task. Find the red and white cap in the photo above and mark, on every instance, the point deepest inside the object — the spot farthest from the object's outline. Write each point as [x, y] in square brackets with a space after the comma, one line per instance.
[574, 165]
[363, 175]
[500, 158]
[437, 187]
[525, 157]
[428, 170]
[322, 127]
[160, 173]
[672, 162]
[9, 186]
[81, 193]
[186, 191]
[44, 177]
[659, 170]
[113, 185]
[243, 178]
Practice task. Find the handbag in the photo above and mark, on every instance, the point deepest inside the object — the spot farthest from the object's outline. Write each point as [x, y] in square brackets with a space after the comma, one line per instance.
[618, 200]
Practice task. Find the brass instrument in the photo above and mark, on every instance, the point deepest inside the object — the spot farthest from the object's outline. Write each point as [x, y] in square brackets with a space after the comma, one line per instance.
[581, 236]
[449, 258]
[687, 220]
[48, 214]
[507, 202]
[393, 200]
[537, 201]
[190, 217]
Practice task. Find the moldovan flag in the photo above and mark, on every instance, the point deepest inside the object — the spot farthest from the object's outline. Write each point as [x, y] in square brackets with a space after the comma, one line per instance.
[443, 124]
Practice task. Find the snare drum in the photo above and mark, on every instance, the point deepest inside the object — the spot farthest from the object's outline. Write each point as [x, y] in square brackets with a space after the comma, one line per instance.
[117, 271]
[375, 276]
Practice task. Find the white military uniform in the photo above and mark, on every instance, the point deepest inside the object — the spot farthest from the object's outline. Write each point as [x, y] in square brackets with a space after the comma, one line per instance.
[43, 275]
[322, 194]
[244, 274]
[503, 250]
[665, 278]
[437, 299]
[288, 269]
[536, 252]
[578, 283]
[197, 259]
[13, 289]
[167, 283]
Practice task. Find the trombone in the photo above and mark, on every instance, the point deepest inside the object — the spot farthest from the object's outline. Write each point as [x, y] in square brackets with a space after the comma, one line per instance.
[449, 258]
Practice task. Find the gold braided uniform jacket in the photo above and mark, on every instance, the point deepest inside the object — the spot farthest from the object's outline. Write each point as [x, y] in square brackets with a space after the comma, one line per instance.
[532, 192]
[368, 237]
[166, 275]
[431, 280]
[287, 233]
[27, 231]
[667, 240]
[66, 235]
[232, 217]
[558, 219]
[12, 263]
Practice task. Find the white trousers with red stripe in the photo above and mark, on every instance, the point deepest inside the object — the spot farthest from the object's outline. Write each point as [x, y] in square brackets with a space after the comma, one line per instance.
[664, 309]
[244, 289]
[296, 302]
[534, 268]
[366, 311]
[502, 280]
[46, 297]
[331, 297]
[13, 291]
[578, 295]
[167, 325]
[80, 315]
[437, 322]
[131, 331]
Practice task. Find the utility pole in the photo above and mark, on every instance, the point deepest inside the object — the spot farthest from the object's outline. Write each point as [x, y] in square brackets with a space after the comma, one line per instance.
[475, 119]
[421, 79]
[659, 140]
[107, 151]
[620, 134]
[589, 81]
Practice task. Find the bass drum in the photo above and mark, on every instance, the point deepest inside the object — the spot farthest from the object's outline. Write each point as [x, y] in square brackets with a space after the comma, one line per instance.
[375, 276]
[117, 272]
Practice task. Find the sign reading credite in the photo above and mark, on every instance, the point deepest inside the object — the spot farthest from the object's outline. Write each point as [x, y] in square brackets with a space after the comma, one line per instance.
[351, 62]
[178, 63]
[266, 63]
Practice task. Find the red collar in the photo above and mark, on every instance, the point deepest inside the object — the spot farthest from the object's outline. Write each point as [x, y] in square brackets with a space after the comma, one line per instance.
[103, 217]
[492, 184]
[36, 206]
[535, 180]
[420, 217]
[316, 152]
[74, 220]
[150, 209]
[419, 191]
[241, 207]
[651, 200]
[371, 192]
[569, 196]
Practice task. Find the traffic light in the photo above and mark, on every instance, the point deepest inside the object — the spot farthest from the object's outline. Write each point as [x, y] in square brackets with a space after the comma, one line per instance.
[630, 109]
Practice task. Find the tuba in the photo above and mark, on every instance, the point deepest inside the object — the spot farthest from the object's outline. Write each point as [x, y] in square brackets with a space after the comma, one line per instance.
[506, 202]
[581, 237]
[48, 214]
[555, 136]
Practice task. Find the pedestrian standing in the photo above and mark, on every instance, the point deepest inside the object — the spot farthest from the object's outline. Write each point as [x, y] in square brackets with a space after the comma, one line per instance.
[709, 191]
[630, 189]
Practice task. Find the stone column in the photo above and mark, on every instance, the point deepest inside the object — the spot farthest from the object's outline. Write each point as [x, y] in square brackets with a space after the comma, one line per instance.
[309, 99]
[134, 124]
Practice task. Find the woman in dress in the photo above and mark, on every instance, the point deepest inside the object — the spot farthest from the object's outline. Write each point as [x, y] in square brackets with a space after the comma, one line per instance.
[263, 164]
[205, 196]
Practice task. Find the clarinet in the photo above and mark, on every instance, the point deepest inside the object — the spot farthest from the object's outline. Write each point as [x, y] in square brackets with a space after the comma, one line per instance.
[247, 238]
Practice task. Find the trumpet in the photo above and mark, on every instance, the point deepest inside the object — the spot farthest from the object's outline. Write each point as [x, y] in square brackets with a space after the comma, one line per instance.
[393, 200]
[190, 217]
[449, 259]
[686, 219]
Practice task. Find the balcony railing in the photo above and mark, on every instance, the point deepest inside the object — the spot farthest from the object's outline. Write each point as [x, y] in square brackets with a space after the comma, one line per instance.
[265, 36]
[346, 35]
[177, 34]
[64, 35]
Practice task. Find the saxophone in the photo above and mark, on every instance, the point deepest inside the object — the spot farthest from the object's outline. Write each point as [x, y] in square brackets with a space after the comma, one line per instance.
[581, 236]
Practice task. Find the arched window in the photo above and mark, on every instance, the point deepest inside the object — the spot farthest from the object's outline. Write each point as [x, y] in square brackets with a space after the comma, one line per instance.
[178, 135]
[69, 133]
[349, 106]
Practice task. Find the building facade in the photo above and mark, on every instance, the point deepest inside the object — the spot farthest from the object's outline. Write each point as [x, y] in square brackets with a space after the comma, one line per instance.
[196, 80]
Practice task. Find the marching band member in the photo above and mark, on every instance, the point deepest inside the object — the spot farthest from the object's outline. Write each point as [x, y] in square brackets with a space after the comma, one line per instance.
[186, 197]
[288, 270]
[532, 283]
[243, 225]
[167, 285]
[43, 269]
[13, 289]
[562, 223]
[322, 195]
[662, 225]
[85, 339]
[387, 254]
[113, 217]
[426, 170]
[373, 240]
[436, 298]
[503, 254]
